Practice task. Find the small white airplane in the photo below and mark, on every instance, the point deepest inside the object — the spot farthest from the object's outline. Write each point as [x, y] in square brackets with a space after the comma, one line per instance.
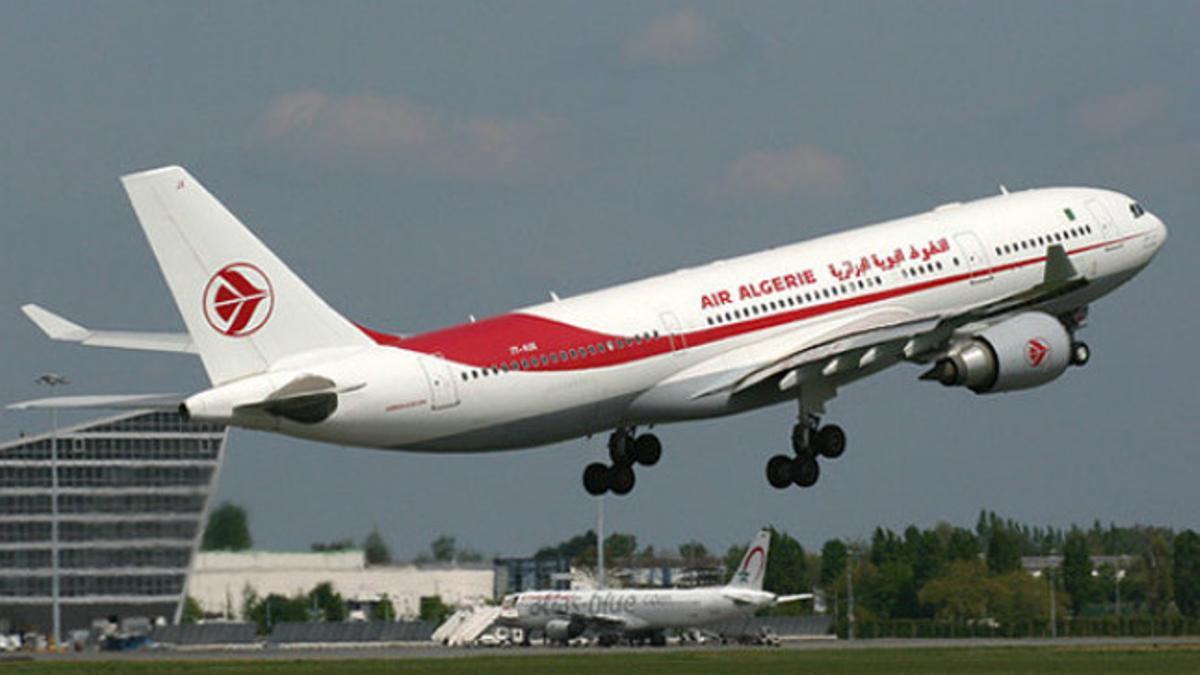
[989, 295]
[640, 613]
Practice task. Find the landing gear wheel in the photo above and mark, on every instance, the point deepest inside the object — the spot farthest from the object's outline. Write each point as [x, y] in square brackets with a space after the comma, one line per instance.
[800, 439]
[779, 471]
[621, 448]
[805, 471]
[647, 449]
[1081, 353]
[595, 479]
[620, 479]
[831, 441]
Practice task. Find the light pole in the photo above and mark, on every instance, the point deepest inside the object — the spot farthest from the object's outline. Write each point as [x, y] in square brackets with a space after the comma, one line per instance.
[1053, 620]
[850, 592]
[600, 542]
[1117, 581]
[54, 380]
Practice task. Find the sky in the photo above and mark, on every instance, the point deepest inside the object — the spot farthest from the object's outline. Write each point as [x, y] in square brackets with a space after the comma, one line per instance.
[417, 163]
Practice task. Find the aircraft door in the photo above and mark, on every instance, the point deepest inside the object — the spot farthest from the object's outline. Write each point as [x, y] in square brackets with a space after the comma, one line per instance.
[442, 392]
[674, 331]
[976, 257]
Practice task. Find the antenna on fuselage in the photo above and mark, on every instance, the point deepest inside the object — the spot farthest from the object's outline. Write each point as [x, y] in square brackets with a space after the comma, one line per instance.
[554, 296]
[1003, 189]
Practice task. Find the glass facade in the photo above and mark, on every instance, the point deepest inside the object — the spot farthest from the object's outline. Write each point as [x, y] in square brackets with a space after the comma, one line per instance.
[132, 495]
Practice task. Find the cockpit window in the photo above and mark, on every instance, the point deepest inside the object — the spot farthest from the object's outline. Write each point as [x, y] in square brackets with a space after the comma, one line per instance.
[510, 601]
[1137, 210]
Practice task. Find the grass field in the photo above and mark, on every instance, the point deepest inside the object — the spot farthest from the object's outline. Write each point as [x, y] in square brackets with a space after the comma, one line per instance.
[1124, 659]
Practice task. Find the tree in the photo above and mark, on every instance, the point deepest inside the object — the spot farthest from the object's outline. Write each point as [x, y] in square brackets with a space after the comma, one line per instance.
[733, 558]
[228, 529]
[833, 563]
[331, 546]
[693, 553]
[571, 549]
[1077, 569]
[275, 609]
[1186, 572]
[375, 549]
[962, 545]
[442, 548]
[619, 548]
[1003, 550]
[192, 612]
[961, 592]
[383, 610]
[1159, 592]
[434, 610]
[326, 603]
[787, 566]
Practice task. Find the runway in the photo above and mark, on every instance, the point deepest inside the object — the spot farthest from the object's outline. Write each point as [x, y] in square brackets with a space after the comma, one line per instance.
[425, 651]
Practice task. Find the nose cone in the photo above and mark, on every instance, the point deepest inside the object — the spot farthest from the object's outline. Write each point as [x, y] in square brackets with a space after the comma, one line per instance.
[1162, 231]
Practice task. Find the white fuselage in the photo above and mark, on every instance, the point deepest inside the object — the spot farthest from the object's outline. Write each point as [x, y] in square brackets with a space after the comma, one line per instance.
[633, 610]
[638, 353]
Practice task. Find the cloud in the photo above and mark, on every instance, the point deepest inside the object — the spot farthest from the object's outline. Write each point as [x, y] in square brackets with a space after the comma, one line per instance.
[680, 39]
[373, 126]
[781, 172]
[1118, 113]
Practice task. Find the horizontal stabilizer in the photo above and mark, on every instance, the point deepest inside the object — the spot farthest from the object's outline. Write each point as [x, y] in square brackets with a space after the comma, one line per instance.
[104, 402]
[58, 328]
[793, 598]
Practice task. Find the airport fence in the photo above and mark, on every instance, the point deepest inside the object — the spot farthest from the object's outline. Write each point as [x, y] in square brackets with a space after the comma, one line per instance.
[1130, 626]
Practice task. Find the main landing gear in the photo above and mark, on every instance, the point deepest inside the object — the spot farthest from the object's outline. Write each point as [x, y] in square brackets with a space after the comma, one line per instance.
[625, 449]
[809, 441]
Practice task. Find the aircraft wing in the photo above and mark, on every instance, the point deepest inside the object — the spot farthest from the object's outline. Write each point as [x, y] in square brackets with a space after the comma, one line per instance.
[59, 328]
[819, 356]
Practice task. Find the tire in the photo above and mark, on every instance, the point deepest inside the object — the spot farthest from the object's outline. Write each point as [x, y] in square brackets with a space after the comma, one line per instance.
[1080, 354]
[621, 479]
[779, 471]
[595, 479]
[647, 449]
[805, 472]
[831, 441]
[621, 449]
[798, 445]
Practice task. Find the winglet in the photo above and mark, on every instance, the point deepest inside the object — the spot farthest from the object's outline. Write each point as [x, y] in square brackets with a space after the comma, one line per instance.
[54, 326]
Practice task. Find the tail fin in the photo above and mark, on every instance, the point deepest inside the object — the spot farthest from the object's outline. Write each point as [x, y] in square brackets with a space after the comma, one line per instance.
[753, 567]
[243, 307]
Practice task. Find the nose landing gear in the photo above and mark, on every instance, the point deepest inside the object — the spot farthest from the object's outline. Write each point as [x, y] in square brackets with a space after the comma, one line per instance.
[624, 449]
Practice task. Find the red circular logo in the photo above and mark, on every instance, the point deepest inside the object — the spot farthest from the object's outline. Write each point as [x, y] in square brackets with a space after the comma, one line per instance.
[238, 300]
[1036, 351]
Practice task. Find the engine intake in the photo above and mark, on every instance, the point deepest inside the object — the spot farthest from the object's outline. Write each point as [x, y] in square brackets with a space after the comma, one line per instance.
[561, 630]
[1025, 351]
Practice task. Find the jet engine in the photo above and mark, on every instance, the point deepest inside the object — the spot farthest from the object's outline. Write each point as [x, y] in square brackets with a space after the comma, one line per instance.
[1025, 351]
[561, 630]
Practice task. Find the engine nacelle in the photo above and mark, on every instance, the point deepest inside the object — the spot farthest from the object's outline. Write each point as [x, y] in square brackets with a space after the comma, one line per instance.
[1025, 351]
[561, 630]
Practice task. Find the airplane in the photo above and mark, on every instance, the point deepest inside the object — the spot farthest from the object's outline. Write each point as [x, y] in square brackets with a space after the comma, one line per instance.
[641, 613]
[988, 295]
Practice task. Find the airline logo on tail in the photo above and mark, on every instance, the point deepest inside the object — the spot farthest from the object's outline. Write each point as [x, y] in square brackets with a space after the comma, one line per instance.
[238, 300]
[752, 566]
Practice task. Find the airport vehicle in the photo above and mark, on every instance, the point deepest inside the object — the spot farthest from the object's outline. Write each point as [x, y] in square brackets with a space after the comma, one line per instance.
[643, 614]
[989, 295]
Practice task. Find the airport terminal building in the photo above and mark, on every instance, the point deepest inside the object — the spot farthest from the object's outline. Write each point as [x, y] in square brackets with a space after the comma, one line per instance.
[132, 494]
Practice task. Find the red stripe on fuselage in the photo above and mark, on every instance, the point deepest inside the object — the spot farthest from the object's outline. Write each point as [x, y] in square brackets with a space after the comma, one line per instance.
[504, 339]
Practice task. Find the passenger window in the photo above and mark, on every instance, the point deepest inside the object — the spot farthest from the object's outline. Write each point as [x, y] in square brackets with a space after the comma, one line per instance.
[591, 350]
